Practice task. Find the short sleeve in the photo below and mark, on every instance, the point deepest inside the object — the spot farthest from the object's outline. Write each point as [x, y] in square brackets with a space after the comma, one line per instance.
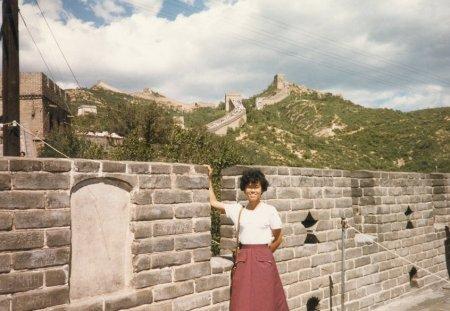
[275, 220]
[232, 211]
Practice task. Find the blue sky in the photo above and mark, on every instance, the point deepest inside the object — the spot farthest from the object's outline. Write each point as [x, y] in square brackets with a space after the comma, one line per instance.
[169, 10]
[378, 53]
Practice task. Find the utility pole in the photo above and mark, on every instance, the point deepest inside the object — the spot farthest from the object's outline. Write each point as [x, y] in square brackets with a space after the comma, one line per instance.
[10, 78]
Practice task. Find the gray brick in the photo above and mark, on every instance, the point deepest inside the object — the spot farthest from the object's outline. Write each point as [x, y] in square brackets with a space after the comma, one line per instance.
[201, 169]
[172, 227]
[41, 219]
[38, 181]
[128, 181]
[191, 182]
[152, 212]
[5, 181]
[142, 229]
[129, 300]
[192, 302]
[172, 196]
[302, 204]
[5, 263]
[153, 277]
[202, 224]
[155, 182]
[113, 167]
[189, 241]
[18, 240]
[202, 254]
[5, 303]
[55, 277]
[142, 197]
[170, 259]
[40, 299]
[192, 271]
[234, 170]
[163, 292]
[4, 165]
[138, 168]
[86, 166]
[142, 262]
[58, 237]
[192, 210]
[221, 294]
[161, 168]
[6, 221]
[20, 281]
[56, 166]
[41, 258]
[56, 200]
[21, 200]
[228, 182]
[288, 193]
[181, 169]
[161, 244]
[24, 165]
[201, 196]
[324, 203]
[228, 195]
[211, 282]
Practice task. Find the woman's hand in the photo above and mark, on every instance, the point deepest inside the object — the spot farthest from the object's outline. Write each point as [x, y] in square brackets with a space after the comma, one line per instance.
[272, 247]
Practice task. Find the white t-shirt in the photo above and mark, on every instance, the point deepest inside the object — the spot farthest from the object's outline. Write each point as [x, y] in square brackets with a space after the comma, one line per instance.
[255, 225]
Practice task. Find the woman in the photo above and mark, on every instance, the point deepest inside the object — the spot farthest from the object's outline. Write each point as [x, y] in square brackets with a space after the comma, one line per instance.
[256, 284]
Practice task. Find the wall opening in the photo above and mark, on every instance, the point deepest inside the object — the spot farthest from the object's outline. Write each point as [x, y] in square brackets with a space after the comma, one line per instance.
[311, 238]
[408, 211]
[309, 221]
[413, 277]
[409, 225]
[101, 238]
[313, 304]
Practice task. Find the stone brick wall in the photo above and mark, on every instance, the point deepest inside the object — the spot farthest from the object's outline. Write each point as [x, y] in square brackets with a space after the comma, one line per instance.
[42, 103]
[374, 203]
[167, 259]
[171, 266]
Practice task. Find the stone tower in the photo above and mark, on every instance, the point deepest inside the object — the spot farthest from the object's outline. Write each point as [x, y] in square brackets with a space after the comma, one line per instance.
[280, 81]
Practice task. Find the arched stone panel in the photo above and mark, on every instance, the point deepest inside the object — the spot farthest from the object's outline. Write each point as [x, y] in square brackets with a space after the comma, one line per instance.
[101, 238]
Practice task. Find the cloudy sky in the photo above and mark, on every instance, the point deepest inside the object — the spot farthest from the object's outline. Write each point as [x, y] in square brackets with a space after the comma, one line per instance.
[378, 53]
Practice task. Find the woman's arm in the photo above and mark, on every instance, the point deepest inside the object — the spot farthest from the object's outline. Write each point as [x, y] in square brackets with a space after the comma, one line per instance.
[212, 196]
[277, 241]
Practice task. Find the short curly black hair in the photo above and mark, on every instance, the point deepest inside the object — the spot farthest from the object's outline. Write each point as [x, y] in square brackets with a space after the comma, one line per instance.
[253, 176]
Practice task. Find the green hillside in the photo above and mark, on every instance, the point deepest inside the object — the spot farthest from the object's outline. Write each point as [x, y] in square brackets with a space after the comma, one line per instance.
[308, 130]
[330, 132]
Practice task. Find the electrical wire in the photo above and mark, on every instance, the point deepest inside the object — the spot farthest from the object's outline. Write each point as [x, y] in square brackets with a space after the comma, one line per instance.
[37, 47]
[56, 41]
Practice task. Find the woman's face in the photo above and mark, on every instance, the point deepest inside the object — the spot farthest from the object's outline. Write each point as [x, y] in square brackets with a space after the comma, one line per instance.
[253, 191]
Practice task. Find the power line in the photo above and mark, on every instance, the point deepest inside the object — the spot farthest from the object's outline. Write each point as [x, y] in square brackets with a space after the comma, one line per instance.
[56, 41]
[264, 44]
[37, 47]
[373, 69]
[359, 51]
[43, 59]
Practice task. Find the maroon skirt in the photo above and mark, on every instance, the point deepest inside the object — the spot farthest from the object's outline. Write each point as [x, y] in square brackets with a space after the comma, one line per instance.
[256, 284]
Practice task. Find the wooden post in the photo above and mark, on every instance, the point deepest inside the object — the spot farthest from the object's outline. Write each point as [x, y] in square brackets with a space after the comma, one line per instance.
[10, 78]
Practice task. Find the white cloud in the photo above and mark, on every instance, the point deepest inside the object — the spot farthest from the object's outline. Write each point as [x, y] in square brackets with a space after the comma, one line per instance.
[107, 10]
[189, 2]
[377, 52]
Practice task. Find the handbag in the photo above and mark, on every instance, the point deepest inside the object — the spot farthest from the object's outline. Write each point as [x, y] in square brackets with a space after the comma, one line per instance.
[238, 246]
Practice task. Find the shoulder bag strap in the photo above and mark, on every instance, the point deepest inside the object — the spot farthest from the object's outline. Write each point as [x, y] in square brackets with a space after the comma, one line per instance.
[237, 233]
